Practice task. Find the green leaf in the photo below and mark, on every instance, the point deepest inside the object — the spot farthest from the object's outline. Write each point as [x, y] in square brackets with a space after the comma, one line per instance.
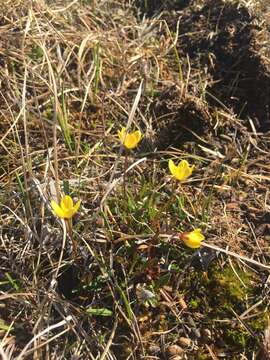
[66, 187]
[99, 312]
[126, 302]
[4, 327]
[163, 280]
[12, 281]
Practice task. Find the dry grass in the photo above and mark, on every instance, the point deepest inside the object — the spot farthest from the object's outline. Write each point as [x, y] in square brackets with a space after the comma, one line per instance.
[72, 74]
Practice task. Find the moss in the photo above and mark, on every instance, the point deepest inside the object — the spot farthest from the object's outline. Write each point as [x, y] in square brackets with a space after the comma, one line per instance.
[36, 53]
[234, 288]
[194, 303]
[237, 337]
[218, 295]
[228, 292]
[259, 323]
[201, 354]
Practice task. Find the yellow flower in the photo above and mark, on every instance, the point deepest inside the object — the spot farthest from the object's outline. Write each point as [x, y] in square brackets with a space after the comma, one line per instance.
[182, 171]
[66, 209]
[130, 141]
[192, 239]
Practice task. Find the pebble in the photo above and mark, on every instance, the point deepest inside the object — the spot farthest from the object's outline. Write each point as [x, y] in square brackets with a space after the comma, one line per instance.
[185, 342]
[206, 335]
[196, 332]
[182, 303]
[154, 349]
[191, 321]
[173, 350]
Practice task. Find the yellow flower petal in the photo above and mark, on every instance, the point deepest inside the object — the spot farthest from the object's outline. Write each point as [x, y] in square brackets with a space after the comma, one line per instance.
[76, 206]
[183, 165]
[122, 134]
[130, 141]
[69, 213]
[138, 135]
[193, 239]
[57, 210]
[186, 168]
[182, 171]
[66, 203]
[173, 168]
[66, 209]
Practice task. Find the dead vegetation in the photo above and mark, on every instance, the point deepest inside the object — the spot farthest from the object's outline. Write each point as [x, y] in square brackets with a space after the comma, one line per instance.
[70, 73]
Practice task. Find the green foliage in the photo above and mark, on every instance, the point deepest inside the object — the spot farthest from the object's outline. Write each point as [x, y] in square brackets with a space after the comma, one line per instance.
[5, 327]
[62, 117]
[178, 208]
[194, 303]
[99, 312]
[235, 290]
[138, 209]
[237, 337]
[36, 53]
[13, 283]
[220, 294]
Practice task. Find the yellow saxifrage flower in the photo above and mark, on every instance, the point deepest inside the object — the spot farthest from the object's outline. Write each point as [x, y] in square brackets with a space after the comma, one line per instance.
[192, 239]
[66, 209]
[129, 140]
[182, 171]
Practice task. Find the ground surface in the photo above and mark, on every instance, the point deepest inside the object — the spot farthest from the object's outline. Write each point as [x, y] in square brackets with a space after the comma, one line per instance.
[194, 77]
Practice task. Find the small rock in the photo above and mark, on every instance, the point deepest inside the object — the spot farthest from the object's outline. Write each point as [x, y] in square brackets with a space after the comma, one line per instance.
[191, 321]
[196, 332]
[185, 342]
[154, 349]
[173, 350]
[100, 222]
[206, 335]
[182, 303]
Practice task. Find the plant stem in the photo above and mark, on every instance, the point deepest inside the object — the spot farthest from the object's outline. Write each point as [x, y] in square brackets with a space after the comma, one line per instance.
[125, 170]
[70, 233]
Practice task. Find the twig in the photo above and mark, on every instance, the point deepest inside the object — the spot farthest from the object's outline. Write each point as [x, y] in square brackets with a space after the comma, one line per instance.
[240, 257]
[45, 331]
[109, 343]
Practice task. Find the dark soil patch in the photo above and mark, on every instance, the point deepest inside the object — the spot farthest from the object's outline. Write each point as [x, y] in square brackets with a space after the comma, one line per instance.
[229, 45]
[232, 44]
[152, 7]
[177, 118]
